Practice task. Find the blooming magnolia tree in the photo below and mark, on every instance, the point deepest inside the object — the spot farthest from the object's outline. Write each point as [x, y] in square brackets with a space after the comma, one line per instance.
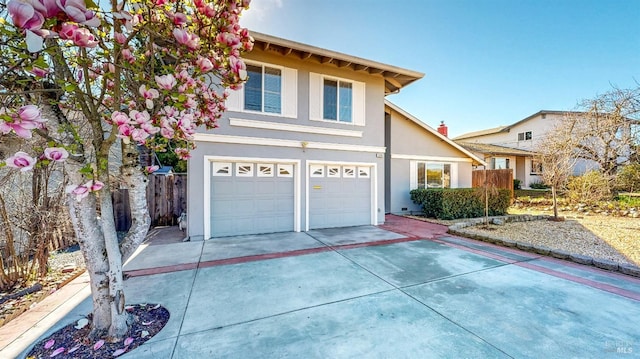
[88, 78]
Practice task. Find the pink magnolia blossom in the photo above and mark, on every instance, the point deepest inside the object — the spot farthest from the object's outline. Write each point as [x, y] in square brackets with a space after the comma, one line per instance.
[24, 15]
[30, 113]
[84, 38]
[149, 95]
[21, 160]
[67, 31]
[39, 72]
[139, 135]
[186, 38]
[128, 56]
[151, 169]
[140, 117]
[182, 153]
[77, 11]
[119, 118]
[120, 38]
[178, 18]
[150, 128]
[204, 64]
[80, 191]
[166, 82]
[57, 154]
[94, 186]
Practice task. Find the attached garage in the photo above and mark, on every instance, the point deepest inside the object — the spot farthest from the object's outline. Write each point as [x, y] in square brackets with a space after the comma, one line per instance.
[251, 198]
[340, 195]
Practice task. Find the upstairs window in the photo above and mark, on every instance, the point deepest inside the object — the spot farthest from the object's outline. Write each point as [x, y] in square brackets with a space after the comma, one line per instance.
[522, 136]
[263, 89]
[337, 100]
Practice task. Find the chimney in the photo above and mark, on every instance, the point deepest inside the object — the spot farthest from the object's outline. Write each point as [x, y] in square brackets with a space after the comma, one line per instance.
[443, 129]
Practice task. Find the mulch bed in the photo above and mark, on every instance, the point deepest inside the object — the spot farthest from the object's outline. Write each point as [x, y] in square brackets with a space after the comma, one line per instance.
[72, 341]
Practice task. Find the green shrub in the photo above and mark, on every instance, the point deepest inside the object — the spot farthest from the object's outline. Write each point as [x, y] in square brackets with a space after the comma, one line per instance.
[590, 188]
[429, 199]
[453, 203]
[516, 184]
[539, 185]
[628, 178]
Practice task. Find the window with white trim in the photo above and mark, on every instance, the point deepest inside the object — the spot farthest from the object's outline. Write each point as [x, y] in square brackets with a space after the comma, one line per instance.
[337, 100]
[316, 170]
[364, 172]
[433, 175]
[536, 167]
[499, 163]
[244, 169]
[348, 172]
[263, 89]
[265, 170]
[285, 170]
[333, 171]
[221, 169]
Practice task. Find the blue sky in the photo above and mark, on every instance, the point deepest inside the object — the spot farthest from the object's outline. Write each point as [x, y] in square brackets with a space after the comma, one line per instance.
[486, 62]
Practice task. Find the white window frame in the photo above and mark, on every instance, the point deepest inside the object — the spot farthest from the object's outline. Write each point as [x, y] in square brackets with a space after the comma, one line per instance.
[349, 171]
[316, 100]
[270, 167]
[314, 168]
[415, 173]
[288, 93]
[335, 170]
[247, 174]
[216, 166]
[338, 81]
[286, 167]
[364, 172]
[263, 66]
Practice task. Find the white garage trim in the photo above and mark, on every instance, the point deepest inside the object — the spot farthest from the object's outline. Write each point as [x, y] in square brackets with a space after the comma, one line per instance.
[374, 186]
[207, 185]
[262, 141]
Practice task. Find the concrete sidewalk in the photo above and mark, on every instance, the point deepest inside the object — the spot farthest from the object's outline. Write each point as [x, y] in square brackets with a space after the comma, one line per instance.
[370, 292]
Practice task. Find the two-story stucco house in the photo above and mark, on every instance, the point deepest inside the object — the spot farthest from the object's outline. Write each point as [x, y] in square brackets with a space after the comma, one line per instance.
[304, 145]
[514, 146]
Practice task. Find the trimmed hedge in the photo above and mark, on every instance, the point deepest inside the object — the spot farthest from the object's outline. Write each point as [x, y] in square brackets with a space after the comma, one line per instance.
[454, 203]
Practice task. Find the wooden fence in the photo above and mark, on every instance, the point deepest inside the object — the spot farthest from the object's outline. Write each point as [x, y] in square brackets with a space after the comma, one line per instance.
[166, 200]
[496, 178]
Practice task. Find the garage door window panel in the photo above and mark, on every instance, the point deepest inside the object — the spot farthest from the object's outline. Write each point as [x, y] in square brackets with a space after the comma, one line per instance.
[244, 169]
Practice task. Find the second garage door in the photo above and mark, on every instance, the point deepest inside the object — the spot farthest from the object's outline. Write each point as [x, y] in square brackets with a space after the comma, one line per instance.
[339, 196]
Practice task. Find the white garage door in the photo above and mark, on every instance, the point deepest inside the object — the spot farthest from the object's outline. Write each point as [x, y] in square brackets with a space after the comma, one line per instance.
[339, 196]
[251, 198]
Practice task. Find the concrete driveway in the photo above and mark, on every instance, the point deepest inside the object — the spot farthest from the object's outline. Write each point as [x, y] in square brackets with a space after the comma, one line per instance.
[403, 290]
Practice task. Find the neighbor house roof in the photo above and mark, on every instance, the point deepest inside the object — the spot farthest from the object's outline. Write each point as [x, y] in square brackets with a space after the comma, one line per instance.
[395, 77]
[495, 149]
[434, 132]
[507, 128]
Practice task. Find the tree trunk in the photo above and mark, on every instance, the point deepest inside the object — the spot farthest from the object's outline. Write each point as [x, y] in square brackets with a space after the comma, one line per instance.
[91, 240]
[119, 325]
[555, 202]
[136, 182]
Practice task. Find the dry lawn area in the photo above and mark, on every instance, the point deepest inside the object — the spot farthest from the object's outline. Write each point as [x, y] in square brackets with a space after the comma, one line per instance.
[612, 238]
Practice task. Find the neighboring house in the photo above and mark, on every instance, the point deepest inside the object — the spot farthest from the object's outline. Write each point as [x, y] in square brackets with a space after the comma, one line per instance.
[500, 157]
[302, 145]
[419, 156]
[514, 146]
